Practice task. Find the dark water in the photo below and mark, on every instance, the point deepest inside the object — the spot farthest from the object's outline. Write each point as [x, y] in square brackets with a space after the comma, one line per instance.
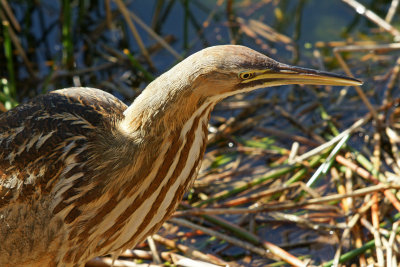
[306, 22]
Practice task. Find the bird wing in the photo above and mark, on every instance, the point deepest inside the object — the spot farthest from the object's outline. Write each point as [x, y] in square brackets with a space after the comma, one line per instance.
[39, 139]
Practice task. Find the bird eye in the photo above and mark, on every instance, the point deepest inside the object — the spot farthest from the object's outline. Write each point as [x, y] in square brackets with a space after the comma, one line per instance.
[246, 75]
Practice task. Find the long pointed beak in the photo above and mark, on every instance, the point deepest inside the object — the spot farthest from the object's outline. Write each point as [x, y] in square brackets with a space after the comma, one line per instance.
[285, 74]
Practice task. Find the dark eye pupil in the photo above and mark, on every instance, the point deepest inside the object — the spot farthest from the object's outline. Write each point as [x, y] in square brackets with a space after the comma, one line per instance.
[246, 75]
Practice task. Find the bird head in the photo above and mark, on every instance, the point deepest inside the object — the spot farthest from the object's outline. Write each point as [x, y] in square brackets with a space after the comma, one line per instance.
[221, 71]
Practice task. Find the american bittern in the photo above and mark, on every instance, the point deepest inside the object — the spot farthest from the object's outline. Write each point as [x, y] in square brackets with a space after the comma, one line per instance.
[83, 175]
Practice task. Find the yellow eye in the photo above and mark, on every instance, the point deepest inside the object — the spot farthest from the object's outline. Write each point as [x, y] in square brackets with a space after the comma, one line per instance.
[246, 75]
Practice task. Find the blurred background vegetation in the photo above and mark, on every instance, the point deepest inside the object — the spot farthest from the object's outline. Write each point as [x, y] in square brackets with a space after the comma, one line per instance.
[121, 46]
[114, 45]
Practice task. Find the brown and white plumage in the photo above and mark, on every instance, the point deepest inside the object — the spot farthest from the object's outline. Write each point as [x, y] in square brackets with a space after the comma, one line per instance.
[82, 174]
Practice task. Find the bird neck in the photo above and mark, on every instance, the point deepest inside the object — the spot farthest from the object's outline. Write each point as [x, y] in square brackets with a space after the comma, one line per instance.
[166, 134]
[163, 107]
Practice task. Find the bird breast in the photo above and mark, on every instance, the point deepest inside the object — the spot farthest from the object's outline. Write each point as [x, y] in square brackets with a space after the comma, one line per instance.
[174, 165]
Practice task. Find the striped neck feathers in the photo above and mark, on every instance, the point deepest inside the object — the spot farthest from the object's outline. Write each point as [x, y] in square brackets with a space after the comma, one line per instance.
[164, 106]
